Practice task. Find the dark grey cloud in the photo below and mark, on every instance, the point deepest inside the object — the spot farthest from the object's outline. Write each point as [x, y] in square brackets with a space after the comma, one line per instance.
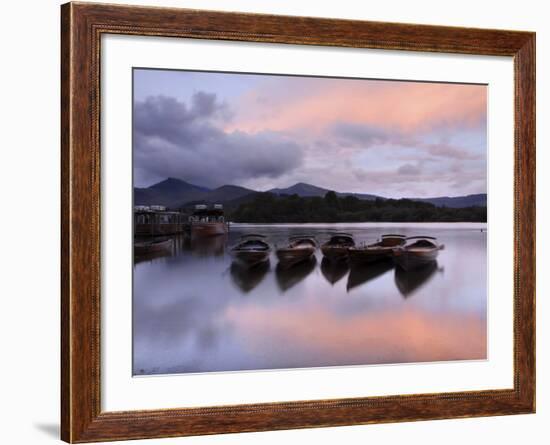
[366, 136]
[448, 151]
[409, 169]
[187, 141]
[360, 135]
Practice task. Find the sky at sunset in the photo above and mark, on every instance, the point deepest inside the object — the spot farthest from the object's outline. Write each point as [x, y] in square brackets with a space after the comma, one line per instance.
[389, 138]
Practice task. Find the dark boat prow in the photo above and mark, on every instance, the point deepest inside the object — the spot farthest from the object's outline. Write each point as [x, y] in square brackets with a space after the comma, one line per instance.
[251, 249]
[336, 248]
[417, 252]
[300, 248]
[381, 250]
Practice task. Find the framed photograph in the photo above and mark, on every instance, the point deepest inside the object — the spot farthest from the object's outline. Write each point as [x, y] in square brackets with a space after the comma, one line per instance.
[274, 222]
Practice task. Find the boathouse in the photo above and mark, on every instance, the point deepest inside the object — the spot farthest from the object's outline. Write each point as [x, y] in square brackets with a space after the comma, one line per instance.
[155, 220]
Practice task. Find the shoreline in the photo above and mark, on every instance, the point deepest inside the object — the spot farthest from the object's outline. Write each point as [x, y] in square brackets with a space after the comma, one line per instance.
[440, 225]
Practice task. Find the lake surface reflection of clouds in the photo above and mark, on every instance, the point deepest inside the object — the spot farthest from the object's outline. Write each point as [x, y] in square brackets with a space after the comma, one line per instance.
[196, 311]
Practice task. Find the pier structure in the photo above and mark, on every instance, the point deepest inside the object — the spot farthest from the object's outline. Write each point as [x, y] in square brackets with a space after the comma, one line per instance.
[156, 220]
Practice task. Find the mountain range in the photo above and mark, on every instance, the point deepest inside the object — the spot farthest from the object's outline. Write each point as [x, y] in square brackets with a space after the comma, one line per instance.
[176, 193]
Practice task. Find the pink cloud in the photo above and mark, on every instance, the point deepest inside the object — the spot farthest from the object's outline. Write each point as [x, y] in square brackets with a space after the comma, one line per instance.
[287, 104]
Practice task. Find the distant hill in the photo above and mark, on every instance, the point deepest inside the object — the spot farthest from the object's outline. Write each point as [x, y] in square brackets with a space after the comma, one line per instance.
[176, 193]
[170, 192]
[457, 202]
[364, 196]
[300, 189]
[307, 190]
[226, 193]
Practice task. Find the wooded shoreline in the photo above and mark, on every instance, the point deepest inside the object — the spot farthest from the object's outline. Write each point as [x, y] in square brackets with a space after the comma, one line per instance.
[270, 208]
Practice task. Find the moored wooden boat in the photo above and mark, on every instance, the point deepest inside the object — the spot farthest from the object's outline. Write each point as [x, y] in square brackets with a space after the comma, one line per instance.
[417, 251]
[300, 248]
[251, 250]
[336, 248]
[153, 246]
[381, 250]
[208, 222]
[208, 229]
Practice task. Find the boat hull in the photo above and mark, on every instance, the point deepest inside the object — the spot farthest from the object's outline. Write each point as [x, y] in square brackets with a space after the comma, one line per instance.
[289, 257]
[251, 257]
[208, 229]
[409, 260]
[335, 253]
[151, 248]
[368, 255]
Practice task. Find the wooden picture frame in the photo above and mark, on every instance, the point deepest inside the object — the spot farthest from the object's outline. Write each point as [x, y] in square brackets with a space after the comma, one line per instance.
[82, 25]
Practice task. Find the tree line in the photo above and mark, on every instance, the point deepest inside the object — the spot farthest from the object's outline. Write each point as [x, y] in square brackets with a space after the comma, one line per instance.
[270, 208]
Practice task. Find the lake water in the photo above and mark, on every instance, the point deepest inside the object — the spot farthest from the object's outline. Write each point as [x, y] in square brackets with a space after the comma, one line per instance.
[196, 312]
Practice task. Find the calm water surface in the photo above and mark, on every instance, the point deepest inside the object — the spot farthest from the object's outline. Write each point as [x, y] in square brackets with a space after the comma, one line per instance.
[195, 311]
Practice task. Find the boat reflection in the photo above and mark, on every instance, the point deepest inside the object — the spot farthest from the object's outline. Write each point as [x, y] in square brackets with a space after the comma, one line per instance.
[410, 281]
[334, 271]
[288, 277]
[151, 256]
[365, 272]
[208, 246]
[247, 278]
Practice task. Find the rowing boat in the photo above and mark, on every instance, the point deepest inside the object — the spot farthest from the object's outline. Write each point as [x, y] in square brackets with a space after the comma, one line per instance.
[251, 250]
[336, 248]
[416, 252]
[381, 250]
[300, 248]
[154, 246]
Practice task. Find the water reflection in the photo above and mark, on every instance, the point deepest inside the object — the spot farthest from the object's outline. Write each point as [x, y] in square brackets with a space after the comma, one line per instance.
[208, 246]
[409, 281]
[334, 270]
[151, 256]
[288, 277]
[363, 273]
[190, 315]
[247, 278]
